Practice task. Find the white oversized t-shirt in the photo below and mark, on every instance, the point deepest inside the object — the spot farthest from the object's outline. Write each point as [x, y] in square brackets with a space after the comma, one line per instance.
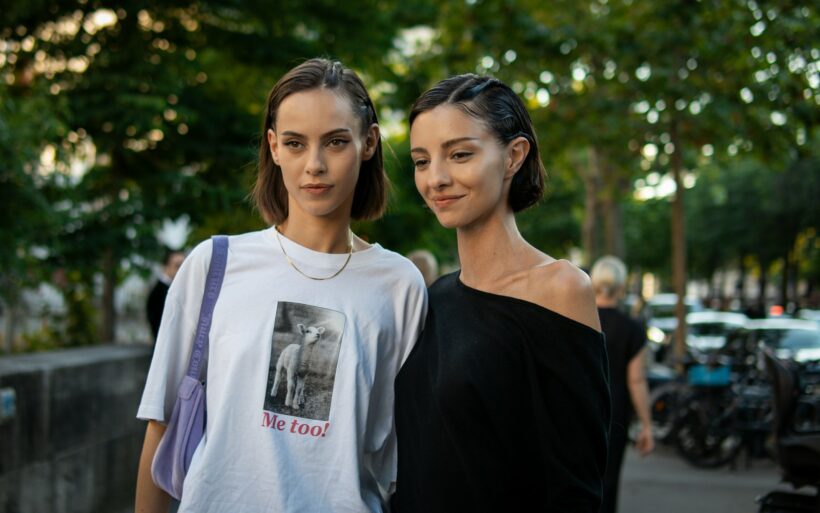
[329, 448]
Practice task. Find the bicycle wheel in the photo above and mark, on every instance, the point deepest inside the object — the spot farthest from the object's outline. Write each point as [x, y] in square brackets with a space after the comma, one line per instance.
[705, 436]
[664, 404]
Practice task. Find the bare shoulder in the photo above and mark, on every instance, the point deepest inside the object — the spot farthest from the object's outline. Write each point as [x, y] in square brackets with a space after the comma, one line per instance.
[563, 288]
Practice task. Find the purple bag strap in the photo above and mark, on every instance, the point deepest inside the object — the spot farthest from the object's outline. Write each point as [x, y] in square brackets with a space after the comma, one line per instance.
[213, 284]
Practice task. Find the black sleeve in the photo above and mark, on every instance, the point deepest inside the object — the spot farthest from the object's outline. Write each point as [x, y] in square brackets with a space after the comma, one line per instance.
[578, 412]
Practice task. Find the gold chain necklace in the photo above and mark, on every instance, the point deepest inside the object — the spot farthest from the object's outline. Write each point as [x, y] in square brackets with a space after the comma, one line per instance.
[349, 254]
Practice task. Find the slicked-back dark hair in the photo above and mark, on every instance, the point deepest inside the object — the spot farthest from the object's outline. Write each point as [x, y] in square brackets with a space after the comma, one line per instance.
[269, 192]
[492, 102]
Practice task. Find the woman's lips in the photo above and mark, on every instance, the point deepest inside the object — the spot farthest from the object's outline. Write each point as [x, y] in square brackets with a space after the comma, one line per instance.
[317, 188]
[445, 201]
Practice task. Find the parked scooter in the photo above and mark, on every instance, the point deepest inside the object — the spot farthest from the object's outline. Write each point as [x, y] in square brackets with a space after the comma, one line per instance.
[797, 441]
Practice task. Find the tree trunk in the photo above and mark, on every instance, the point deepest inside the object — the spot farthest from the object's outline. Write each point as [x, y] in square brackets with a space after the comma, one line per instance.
[624, 191]
[740, 286]
[10, 319]
[11, 312]
[678, 242]
[784, 280]
[592, 185]
[762, 283]
[721, 290]
[613, 225]
[794, 281]
[713, 289]
[109, 318]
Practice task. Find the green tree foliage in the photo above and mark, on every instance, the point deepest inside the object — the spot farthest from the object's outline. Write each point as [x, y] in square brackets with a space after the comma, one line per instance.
[171, 96]
[30, 122]
[163, 101]
[744, 210]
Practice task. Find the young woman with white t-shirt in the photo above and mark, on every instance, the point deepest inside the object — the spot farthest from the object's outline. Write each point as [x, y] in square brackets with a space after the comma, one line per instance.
[310, 328]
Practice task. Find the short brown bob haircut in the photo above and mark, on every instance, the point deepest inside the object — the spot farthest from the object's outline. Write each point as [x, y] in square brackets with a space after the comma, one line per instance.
[269, 192]
[492, 102]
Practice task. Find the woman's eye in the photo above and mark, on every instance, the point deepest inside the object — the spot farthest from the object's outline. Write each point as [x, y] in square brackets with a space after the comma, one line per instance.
[460, 155]
[337, 142]
[293, 144]
[420, 163]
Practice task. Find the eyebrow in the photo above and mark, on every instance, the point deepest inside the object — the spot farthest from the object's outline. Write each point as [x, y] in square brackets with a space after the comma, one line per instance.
[448, 143]
[333, 132]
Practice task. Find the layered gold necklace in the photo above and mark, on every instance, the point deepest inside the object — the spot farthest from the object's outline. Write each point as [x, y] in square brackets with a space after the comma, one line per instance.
[317, 278]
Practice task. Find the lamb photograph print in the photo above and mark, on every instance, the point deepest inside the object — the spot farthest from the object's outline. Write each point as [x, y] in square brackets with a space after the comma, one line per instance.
[304, 352]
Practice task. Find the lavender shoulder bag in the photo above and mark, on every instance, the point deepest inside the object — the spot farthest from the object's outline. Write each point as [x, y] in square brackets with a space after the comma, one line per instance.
[187, 425]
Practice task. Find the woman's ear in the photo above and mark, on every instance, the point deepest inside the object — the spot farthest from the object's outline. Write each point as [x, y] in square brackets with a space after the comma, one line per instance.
[371, 142]
[517, 151]
[272, 145]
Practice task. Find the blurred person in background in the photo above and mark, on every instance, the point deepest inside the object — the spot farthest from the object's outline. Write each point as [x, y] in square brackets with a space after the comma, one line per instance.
[156, 298]
[625, 340]
[427, 264]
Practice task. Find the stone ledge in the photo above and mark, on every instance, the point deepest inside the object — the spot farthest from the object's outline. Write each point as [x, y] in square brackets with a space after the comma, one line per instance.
[74, 443]
[15, 364]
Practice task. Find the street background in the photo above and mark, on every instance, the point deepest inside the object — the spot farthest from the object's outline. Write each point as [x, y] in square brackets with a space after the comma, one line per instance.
[680, 136]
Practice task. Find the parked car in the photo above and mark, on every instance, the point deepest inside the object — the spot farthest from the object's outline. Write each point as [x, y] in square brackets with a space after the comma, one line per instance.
[707, 330]
[793, 339]
[660, 317]
[809, 315]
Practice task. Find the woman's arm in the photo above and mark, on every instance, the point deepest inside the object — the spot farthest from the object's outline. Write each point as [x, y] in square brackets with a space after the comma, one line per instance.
[577, 404]
[576, 394]
[150, 498]
[639, 393]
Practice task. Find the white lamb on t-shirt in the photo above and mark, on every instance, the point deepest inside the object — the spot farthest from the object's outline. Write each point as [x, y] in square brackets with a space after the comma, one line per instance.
[295, 360]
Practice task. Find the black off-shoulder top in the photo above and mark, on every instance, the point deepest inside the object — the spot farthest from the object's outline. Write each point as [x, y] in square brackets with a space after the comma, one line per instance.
[503, 405]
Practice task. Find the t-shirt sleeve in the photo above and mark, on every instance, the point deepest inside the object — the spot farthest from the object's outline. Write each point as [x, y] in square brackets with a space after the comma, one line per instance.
[410, 311]
[175, 338]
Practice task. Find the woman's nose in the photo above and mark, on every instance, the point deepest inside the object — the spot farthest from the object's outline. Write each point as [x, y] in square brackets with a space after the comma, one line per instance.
[316, 163]
[438, 175]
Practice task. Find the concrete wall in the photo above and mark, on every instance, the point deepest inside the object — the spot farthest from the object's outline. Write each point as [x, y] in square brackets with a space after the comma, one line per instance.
[74, 444]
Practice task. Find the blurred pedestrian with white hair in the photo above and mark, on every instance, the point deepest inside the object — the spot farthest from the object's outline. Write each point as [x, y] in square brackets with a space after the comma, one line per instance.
[625, 340]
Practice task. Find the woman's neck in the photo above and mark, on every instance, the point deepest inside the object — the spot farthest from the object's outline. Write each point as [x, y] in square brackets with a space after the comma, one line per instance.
[491, 251]
[319, 234]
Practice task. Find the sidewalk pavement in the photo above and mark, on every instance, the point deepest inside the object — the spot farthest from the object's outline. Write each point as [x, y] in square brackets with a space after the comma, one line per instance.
[664, 482]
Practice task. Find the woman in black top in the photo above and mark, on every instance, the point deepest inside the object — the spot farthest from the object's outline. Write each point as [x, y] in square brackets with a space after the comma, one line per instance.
[625, 339]
[503, 405]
